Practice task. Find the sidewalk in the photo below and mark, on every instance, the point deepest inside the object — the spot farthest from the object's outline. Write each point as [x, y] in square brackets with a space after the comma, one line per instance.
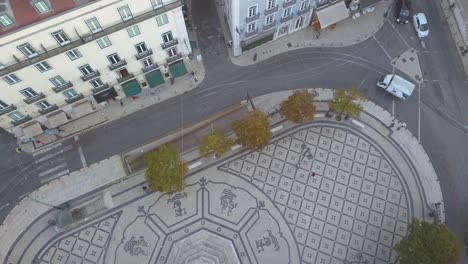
[346, 33]
[119, 108]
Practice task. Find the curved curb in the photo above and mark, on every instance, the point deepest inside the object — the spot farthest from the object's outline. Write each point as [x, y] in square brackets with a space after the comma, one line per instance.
[307, 39]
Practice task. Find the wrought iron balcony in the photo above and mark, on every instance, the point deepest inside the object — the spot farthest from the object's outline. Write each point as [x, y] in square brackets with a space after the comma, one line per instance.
[100, 88]
[7, 109]
[117, 65]
[169, 44]
[174, 58]
[48, 109]
[284, 19]
[34, 99]
[252, 18]
[74, 99]
[144, 54]
[62, 87]
[289, 3]
[126, 78]
[251, 33]
[271, 10]
[21, 121]
[303, 11]
[149, 68]
[90, 76]
[269, 26]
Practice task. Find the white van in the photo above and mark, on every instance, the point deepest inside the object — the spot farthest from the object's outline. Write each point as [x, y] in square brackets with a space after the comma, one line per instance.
[396, 85]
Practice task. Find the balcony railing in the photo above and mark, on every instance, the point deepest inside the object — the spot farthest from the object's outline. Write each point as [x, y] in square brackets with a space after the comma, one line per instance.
[174, 58]
[117, 65]
[100, 88]
[90, 76]
[7, 109]
[126, 78]
[149, 68]
[74, 99]
[303, 11]
[169, 44]
[271, 10]
[144, 54]
[34, 99]
[150, 14]
[21, 121]
[252, 18]
[251, 33]
[269, 26]
[289, 3]
[284, 19]
[62, 87]
[48, 110]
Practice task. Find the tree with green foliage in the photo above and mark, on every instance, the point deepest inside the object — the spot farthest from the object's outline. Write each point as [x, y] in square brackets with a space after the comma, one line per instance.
[217, 142]
[253, 130]
[346, 102]
[428, 243]
[299, 107]
[166, 172]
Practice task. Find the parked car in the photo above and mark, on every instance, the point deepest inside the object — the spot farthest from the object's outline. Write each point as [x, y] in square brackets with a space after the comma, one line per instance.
[420, 24]
[403, 8]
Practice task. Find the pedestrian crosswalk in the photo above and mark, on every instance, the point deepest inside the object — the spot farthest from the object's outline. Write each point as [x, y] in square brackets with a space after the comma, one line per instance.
[52, 162]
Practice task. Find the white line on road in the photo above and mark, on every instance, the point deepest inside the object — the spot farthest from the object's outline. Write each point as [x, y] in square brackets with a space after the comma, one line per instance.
[51, 155]
[399, 34]
[56, 168]
[76, 138]
[22, 196]
[378, 42]
[46, 149]
[4, 206]
[393, 106]
[82, 157]
[194, 165]
[278, 128]
[419, 112]
[55, 176]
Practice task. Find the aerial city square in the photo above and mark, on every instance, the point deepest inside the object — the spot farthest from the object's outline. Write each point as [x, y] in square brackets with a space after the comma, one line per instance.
[233, 131]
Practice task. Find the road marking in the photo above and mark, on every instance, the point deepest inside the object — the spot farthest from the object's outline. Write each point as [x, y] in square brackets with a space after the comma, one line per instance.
[22, 196]
[393, 106]
[278, 128]
[46, 149]
[359, 124]
[4, 206]
[319, 115]
[419, 112]
[378, 42]
[51, 155]
[399, 34]
[194, 165]
[76, 138]
[82, 157]
[235, 147]
[56, 168]
[55, 176]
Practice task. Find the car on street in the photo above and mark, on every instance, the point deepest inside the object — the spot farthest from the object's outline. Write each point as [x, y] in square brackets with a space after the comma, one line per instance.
[420, 25]
[403, 8]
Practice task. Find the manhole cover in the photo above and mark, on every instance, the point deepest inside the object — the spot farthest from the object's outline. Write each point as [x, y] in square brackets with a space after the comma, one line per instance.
[411, 58]
[403, 60]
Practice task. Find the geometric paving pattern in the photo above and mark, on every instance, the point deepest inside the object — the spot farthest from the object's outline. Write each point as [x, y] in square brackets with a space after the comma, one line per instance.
[318, 194]
[85, 246]
[353, 205]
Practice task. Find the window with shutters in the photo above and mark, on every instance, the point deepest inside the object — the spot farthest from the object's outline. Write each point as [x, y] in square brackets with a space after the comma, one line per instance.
[125, 13]
[162, 20]
[133, 31]
[43, 66]
[93, 25]
[74, 54]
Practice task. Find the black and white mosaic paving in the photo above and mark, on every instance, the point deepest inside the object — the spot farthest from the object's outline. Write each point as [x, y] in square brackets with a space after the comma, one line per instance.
[320, 194]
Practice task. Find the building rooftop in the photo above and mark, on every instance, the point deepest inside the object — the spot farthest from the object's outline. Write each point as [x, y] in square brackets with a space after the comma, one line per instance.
[16, 14]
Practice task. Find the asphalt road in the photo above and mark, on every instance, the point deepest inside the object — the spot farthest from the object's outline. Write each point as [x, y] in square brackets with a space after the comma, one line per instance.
[435, 113]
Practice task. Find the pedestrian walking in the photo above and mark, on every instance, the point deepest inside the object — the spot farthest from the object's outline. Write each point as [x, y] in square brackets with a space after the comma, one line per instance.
[18, 150]
[313, 174]
[401, 126]
[134, 97]
[121, 103]
[38, 142]
[60, 130]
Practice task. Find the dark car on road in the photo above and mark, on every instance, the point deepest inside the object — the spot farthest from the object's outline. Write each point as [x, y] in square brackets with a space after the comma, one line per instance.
[403, 8]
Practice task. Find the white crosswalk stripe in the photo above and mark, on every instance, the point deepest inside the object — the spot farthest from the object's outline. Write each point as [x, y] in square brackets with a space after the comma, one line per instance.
[54, 154]
[44, 150]
[54, 176]
[56, 168]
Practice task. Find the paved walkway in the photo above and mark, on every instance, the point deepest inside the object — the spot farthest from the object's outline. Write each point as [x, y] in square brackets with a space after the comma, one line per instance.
[321, 192]
[119, 108]
[347, 32]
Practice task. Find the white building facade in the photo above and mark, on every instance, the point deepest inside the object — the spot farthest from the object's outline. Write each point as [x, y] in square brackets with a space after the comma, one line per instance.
[55, 69]
[254, 22]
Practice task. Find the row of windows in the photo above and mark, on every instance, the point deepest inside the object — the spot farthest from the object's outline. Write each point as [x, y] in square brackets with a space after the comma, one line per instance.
[252, 10]
[269, 19]
[41, 7]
